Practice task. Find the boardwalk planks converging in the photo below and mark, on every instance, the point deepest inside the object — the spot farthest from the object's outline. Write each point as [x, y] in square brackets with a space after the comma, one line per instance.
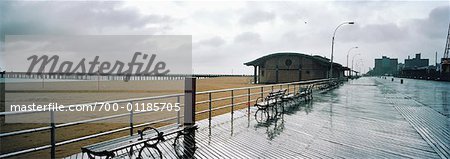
[430, 124]
[362, 119]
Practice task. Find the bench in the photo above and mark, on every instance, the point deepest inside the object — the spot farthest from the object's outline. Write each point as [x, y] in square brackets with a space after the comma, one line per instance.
[288, 97]
[305, 93]
[331, 85]
[324, 86]
[267, 103]
[270, 100]
[148, 137]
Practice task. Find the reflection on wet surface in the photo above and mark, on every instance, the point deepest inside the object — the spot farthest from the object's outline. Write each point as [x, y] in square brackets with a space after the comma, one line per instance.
[274, 124]
[434, 94]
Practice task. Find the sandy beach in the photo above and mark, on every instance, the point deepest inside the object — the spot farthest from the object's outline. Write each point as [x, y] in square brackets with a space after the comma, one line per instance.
[86, 91]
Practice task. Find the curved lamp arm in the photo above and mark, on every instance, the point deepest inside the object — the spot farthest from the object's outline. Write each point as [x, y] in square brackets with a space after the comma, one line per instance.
[334, 34]
[348, 52]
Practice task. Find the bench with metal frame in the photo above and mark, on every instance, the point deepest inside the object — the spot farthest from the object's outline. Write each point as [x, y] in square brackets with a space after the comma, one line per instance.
[274, 97]
[306, 93]
[269, 104]
[148, 137]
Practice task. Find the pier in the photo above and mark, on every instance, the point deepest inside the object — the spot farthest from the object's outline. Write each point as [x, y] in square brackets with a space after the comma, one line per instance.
[94, 76]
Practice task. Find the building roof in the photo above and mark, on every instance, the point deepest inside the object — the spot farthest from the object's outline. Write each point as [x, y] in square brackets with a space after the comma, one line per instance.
[317, 58]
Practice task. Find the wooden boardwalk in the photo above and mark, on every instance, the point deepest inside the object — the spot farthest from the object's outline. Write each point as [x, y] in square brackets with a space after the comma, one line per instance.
[431, 124]
[362, 119]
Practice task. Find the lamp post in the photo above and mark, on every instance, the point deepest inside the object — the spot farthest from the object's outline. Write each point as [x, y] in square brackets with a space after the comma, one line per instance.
[353, 58]
[332, 46]
[362, 66]
[348, 53]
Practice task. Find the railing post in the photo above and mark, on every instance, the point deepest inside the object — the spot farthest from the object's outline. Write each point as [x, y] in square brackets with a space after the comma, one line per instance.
[288, 89]
[178, 112]
[189, 101]
[210, 109]
[262, 92]
[232, 102]
[52, 134]
[294, 88]
[131, 120]
[248, 101]
[189, 116]
[131, 125]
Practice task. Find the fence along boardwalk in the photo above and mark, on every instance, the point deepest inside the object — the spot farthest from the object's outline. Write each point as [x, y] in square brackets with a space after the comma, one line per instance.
[353, 121]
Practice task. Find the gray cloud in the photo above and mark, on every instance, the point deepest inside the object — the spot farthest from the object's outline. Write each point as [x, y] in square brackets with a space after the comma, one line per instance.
[431, 27]
[76, 18]
[248, 37]
[256, 16]
[374, 33]
[73, 18]
[211, 42]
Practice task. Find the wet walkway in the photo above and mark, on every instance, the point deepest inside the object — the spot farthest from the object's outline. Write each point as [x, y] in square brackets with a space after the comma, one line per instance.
[365, 118]
[424, 104]
[357, 120]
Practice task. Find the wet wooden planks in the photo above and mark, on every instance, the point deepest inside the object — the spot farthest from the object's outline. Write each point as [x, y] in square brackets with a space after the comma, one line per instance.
[430, 124]
[349, 122]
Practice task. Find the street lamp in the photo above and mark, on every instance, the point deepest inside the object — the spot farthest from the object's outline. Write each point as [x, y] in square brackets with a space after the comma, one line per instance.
[353, 58]
[359, 66]
[348, 52]
[332, 46]
[361, 69]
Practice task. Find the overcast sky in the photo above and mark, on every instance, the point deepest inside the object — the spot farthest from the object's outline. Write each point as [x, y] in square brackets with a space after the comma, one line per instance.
[227, 34]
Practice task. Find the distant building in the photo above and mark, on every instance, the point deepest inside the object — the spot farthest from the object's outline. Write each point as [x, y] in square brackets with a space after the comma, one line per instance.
[385, 66]
[416, 62]
[291, 67]
[400, 66]
[418, 68]
[427, 72]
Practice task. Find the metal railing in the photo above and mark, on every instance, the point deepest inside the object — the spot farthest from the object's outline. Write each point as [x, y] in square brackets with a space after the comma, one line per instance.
[247, 95]
[237, 97]
[53, 127]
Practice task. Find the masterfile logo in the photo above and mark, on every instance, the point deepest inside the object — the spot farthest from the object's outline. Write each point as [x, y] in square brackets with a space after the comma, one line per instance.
[103, 54]
[95, 66]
